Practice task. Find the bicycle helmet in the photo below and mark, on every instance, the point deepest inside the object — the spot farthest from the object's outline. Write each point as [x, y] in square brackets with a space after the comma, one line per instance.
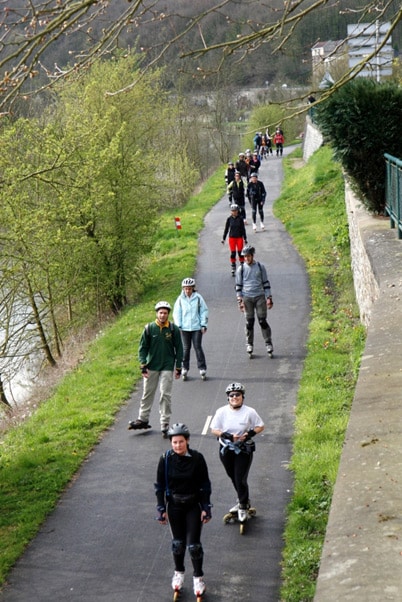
[254, 175]
[188, 282]
[235, 387]
[178, 429]
[162, 305]
[248, 250]
[234, 207]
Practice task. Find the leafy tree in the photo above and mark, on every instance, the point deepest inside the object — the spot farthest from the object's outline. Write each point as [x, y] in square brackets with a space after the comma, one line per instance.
[362, 120]
[81, 192]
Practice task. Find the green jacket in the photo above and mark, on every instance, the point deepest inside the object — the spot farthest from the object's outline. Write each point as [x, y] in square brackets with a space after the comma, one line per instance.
[161, 348]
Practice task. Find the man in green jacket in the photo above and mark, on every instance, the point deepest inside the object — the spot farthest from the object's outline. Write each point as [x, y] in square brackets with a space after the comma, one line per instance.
[160, 354]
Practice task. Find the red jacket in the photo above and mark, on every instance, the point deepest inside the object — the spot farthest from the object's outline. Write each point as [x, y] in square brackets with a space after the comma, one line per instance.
[279, 139]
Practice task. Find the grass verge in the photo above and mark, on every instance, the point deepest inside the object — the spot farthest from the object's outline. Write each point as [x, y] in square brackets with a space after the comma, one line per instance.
[40, 456]
[312, 207]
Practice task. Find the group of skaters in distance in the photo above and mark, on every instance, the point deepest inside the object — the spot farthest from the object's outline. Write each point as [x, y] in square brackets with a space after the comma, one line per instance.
[182, 486]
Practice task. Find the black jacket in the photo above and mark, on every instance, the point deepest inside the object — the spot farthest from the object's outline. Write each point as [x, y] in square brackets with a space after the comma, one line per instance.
[235, 227]
[186, 475]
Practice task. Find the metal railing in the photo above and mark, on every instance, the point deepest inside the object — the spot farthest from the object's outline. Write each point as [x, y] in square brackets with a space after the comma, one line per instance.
[393, 192]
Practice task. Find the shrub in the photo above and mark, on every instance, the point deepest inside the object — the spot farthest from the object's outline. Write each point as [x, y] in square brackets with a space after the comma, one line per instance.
[362, 121]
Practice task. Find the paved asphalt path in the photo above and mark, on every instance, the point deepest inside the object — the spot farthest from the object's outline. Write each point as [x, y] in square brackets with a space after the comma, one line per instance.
[102, 542]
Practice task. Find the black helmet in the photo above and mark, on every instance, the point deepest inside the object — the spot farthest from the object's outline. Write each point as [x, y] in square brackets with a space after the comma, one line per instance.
[235, 387]
[178, 429]
[248, 250]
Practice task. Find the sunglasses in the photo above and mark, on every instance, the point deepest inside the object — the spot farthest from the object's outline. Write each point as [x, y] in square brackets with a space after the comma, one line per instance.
[234, 394]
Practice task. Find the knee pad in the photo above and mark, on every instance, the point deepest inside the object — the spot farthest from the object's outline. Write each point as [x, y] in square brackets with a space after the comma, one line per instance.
[250, 323]
[178, 547]
[263, 323]
[195, 550]
[233, 255]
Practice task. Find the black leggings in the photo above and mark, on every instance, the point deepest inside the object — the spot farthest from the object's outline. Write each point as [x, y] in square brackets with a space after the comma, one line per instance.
[185, 525]
[237, 467]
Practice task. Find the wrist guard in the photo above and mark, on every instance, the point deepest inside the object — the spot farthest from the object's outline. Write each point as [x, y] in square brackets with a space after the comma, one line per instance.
[226, 435]
[207, 509]
[144, 369]
[251, 433]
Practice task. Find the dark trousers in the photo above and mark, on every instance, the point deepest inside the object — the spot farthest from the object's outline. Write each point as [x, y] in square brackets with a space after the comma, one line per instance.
[237, 467]
[185, 525]
[257, 206]
[193, 337]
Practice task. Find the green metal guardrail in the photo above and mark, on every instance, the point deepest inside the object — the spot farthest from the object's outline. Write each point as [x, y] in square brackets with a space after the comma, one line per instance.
[393, 192]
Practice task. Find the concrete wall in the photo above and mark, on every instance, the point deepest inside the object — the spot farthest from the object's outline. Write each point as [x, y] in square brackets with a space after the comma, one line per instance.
[313, 139]
[362, 554]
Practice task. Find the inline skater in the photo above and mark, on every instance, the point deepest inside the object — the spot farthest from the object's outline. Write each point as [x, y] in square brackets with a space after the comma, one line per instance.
[183, 492]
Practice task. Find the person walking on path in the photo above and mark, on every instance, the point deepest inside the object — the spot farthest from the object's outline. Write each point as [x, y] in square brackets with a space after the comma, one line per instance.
[183, 491]
[237, 195]
[279, 141]
[253, 291]
[190, 314]
[237, 234]
[235, 425]
[160, 354]
[230, 175]
[256, 195]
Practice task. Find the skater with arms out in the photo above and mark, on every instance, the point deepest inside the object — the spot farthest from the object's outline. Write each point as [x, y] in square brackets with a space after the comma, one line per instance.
[183, 492]
[235, 425]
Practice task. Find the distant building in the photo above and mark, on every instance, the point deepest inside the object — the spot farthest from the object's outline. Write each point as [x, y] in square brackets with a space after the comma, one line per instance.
[366, 40]
[325, 58]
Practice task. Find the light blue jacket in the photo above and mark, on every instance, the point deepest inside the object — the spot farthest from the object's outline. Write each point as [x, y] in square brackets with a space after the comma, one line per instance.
[190, 313]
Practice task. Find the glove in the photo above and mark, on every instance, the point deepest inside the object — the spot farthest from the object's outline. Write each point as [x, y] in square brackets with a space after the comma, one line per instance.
[144, 369]
[226, 435]
[161, 511]
[223, 242]
[250, 434]
[207, 509]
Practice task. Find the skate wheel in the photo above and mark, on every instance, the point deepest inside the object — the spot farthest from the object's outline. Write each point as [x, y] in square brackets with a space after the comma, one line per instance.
[241, 528]
[227, 518]
[176, 596]
[252, 512]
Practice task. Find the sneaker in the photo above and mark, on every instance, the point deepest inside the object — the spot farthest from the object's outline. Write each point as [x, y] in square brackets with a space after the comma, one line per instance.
[249, 349]
[235, 508]
[270, 348]
[262, 226]
[203, 374]
[177, 581]
[255, 227]
[242, 514]
[164, 430]
[138, 424]
[199, 586]
[184, 374]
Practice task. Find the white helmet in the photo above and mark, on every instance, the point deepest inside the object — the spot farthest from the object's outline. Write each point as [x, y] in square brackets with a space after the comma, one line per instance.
[163, 305]
[188, 282]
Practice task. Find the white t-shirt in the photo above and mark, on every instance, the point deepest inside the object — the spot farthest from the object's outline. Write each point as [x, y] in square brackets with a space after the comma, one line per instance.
[236, 422]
